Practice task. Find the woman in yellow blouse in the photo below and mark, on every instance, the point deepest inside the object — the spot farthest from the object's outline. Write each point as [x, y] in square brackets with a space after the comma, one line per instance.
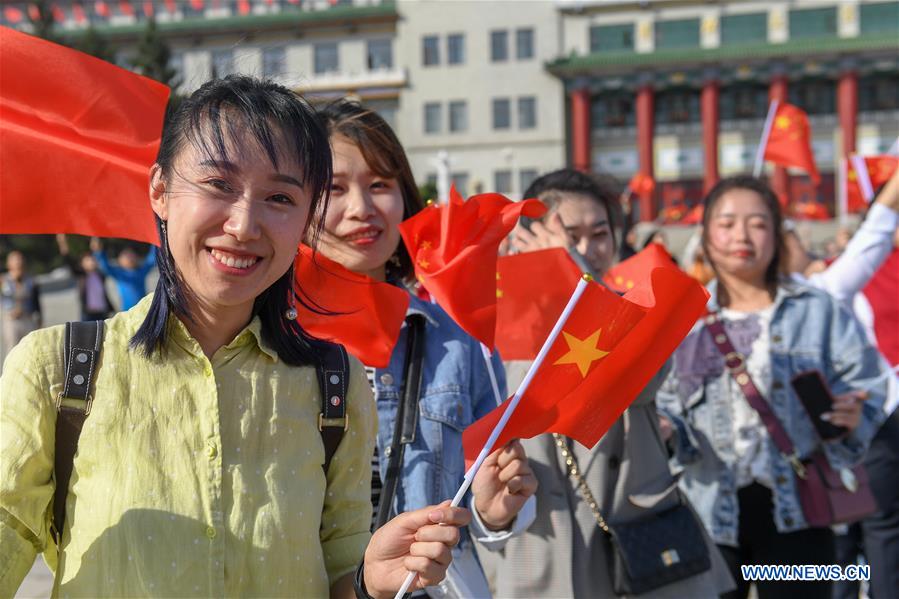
[199, 468]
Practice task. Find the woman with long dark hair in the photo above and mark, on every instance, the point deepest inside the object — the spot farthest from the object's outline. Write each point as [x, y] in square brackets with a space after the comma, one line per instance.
[764, 329]
[201, 467]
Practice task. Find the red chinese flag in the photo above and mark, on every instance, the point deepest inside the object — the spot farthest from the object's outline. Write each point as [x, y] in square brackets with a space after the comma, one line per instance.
[368, 316]
[101, 8]
[881, 168]
[694, 216]
[243, 7]
[810, 210]
[607, 352]
[881, 292]
[629, 273]
[855, 197]
[531, 292]
[12, 14]
[454, 249]
[77, 139]
[642, 184]
[790, 141]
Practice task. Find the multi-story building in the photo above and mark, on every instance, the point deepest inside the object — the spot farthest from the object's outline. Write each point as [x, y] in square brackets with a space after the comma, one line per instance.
[491, 93]
[680, 89]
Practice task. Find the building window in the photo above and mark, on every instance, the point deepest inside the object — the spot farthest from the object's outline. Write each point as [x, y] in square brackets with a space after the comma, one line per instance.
[432, 117]
[674, 106]
[458, 116]
[878, 92]
[612, 109]
[326, 57]
[813, 22]
[499, 45]
[460, 180]
[380, 55]
[882, 17]
[273, 62]
[815, 96]
[430, 50]
[743, 101]
[527, 112]
[612, 38]
[526, 176]
[455, 48]
[502, 181]
[222, 63]
[744, 29]
[683, 33]
[524, 44]
[502, 117]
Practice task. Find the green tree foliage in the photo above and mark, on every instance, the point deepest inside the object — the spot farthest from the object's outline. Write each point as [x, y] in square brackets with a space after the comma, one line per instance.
[153, 57]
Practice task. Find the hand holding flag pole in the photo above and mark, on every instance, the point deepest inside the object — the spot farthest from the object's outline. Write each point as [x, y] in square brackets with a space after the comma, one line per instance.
[513, 404]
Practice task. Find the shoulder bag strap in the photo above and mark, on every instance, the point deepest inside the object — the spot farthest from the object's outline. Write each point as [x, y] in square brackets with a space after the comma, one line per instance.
[736, 366]
[83, 342]
[407, 414]
[333, 379]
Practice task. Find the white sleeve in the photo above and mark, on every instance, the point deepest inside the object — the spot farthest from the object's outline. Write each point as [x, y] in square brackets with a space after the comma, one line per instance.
[496, 540]
[864, 254]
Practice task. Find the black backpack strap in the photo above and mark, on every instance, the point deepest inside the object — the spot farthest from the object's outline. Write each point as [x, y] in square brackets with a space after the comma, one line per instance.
[333, 380]
[83, 342]
[406, 417]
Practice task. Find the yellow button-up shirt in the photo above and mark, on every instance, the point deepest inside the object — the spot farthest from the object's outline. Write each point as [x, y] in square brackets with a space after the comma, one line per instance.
[193, 477]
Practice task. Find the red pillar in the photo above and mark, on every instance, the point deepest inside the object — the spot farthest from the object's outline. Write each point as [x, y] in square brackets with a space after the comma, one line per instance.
[645, 126]
[580, 129]
[781, 181]
[847, 108]
[709, 113]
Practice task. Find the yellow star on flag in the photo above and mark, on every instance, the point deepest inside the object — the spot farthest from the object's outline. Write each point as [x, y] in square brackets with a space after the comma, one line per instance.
[425, 245]
[783, 122]
[582, 352]
[499, 293]
[423, 263]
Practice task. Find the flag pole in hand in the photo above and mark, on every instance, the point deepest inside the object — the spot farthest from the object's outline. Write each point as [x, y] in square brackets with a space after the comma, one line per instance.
[510, 409]
[763, 142]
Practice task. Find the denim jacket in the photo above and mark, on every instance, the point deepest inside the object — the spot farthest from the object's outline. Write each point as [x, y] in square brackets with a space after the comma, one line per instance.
[455, 391]
[808, 330]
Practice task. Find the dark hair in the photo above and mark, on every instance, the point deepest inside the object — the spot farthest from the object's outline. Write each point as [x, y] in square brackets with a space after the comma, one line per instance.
[385, 156]
[602, 189]
[777, 265]
[206, 119]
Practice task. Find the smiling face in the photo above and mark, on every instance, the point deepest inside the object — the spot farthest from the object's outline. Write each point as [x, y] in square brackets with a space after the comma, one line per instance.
[233, 223]
[361, 228]
[741, 240]
[587, 222]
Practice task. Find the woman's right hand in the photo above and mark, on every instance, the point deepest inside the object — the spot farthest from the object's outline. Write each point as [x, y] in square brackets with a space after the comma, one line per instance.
[419, 542]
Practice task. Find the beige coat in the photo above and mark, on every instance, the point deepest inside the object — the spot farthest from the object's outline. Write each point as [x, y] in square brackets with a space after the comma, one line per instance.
[564, 552]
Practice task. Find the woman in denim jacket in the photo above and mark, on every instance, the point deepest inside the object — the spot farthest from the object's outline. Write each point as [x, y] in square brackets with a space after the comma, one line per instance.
[371, 193]
[742, 487]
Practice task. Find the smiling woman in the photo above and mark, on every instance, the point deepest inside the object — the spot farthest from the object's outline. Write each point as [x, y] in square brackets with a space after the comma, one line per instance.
[209, 436]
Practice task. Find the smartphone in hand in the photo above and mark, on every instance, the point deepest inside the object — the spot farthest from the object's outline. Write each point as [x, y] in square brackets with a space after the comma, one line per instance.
[817, 399]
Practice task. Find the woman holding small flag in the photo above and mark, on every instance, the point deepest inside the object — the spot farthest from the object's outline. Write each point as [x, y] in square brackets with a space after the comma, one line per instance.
[437, 381]
[202, 467]
[772, 400]
[588, 497]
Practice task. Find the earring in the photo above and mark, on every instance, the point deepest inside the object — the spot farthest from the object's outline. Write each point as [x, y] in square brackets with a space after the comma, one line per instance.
[162, 226]
[291, 312]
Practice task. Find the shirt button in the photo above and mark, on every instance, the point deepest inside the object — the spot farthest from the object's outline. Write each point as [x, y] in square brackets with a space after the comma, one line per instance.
[207, 370]
[211, 450]
[210, 532]
[388, 450]
[387, 379]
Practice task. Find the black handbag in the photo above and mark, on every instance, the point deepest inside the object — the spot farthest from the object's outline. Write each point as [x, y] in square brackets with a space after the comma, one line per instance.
[651, 552]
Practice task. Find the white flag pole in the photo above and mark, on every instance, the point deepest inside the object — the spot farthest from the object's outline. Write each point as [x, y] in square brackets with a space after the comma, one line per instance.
[843, 191]
[863, 177]
[766, 133]
[513, 404]
[487, 355]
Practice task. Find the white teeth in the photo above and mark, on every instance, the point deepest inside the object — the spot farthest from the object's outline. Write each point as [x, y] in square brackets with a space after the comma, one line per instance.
[233, 262]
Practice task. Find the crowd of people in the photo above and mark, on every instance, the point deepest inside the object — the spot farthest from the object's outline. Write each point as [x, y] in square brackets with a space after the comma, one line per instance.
[204, 465]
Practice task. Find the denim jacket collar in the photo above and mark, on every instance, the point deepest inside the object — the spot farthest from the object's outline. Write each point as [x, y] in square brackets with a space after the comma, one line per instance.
[422, 308]
[786, 288]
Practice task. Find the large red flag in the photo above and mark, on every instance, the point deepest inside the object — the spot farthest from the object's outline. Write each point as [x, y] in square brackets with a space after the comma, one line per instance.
[367, 315]
[790, 141]
[607, 352]
[531, 292]
[77, 138]
[454, 249]
[627, 274]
